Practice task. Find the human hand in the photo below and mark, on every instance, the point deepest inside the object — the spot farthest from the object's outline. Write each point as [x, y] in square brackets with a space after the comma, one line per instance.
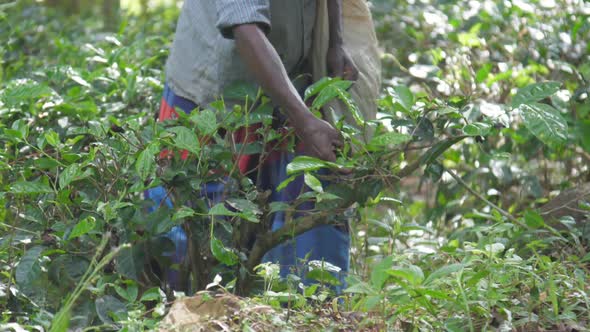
[319, 138]
[340, 64]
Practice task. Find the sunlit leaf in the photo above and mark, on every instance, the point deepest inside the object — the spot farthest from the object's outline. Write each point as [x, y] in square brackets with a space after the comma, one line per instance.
[308, 164]
[185, 139]
[323, 276]
[535, 92]
[477, 129]
[83, 227]
[403, 99]
[391, 138]
[413, 274]
[205, 120]
[313, 183]
[533, 219]
[30, 188]
[545, 122]
[220, 210]
[183, 212]
[19, 93]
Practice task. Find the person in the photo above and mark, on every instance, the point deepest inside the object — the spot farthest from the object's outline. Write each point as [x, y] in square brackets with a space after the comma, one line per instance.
[268, 43]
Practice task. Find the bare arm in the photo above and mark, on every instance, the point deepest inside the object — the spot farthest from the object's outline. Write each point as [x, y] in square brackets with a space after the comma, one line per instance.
[319, 137]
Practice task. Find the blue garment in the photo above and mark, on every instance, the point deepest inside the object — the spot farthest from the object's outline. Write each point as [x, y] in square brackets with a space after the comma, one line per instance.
[330, 244]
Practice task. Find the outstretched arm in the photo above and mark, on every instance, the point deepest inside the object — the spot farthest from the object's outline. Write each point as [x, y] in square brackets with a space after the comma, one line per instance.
[319, 137]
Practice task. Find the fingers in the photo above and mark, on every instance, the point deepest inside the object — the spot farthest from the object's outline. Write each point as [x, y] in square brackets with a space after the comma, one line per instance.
[328, 155]
[350, 73]
[338, 143]
[320, 151]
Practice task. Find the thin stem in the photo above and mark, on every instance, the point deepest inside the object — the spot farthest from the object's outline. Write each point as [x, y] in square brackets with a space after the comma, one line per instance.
[485, 200]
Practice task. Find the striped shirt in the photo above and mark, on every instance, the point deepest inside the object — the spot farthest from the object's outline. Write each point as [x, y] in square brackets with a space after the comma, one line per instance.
[203, 59]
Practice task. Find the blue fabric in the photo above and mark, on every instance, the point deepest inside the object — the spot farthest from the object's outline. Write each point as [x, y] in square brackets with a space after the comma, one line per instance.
[325, 243]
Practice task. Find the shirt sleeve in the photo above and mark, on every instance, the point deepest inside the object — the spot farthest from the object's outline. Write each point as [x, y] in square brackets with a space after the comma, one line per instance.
[235, 12]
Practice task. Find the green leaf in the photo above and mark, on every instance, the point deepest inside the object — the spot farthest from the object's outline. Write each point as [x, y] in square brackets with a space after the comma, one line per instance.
[351, 106]
[129, 294]
[69, 174]
[30, 188]
[402, 98]
[247, 210]
[477, 129]
[379, 272]
[83, 227]
[361, 288]
[222, 254]
[413, 274]
[323, 276]
[318, 86]
[206, 121]
[183, 212]
[438, 149]
[14, 134]
[545, 123]
[78, 79]
[443, 272]
[220, 210]
[468, 39]
[391, 138]
[535, 92]
[583, 133]
[27, 269]
[67, 270]
[310, 290]
[244, 205]
[152, 294]
[441, 295]
[109, 306]
[286, 182]
[313, 183]
[22, 127]
[24, 92]
[329, 93]
[279, 206]
[240, 90]
[61, 321]
[130, 261]
[307, 164]
[46, 163]
[185, 139]
[533, 219]
[483, 73]
[145, 165]
[52, 138]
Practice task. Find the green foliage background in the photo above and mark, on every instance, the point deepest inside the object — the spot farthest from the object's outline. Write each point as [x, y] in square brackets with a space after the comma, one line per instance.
[484, 117]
